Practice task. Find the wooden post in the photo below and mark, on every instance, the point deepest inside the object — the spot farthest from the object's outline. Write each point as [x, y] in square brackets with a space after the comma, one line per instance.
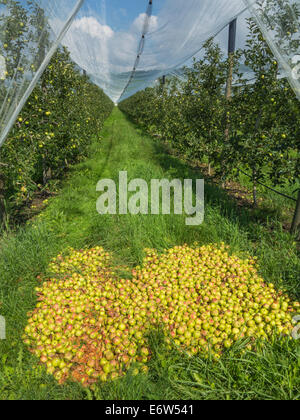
[296, 221]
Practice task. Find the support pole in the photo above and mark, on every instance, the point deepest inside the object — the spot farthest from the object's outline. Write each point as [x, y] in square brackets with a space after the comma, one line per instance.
[2, 207]
[231, 53]
[163, 86]
[295, 230]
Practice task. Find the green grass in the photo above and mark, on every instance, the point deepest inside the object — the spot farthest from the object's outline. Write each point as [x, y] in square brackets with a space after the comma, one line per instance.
[71, 220]
[274, 206]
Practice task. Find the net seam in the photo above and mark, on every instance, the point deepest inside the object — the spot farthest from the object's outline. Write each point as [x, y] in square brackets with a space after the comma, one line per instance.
[43, 66]
[141, 47]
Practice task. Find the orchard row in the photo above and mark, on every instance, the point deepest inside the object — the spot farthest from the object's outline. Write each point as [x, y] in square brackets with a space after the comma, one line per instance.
[61, 116]
[54, 130]
[257, 129]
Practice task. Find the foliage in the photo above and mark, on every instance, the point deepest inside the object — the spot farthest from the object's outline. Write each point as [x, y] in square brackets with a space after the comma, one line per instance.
[65, 109]
[257, 130]
[54, 129]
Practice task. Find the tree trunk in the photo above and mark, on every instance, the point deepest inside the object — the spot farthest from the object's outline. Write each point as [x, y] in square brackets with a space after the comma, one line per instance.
[254, 189]
[47, 174]
[295, 229]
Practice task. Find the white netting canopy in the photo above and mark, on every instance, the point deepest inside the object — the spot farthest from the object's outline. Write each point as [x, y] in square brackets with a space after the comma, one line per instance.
[124, 46]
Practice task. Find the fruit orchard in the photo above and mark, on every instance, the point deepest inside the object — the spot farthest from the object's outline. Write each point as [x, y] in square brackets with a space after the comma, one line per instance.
[55, 128]
[257, 130]
[84, 295]
[53, 131]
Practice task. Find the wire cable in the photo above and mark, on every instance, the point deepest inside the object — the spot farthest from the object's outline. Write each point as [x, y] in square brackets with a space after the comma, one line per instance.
[266, 186]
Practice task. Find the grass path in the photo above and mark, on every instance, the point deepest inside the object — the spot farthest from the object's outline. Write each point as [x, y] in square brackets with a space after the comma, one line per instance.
[71, 220]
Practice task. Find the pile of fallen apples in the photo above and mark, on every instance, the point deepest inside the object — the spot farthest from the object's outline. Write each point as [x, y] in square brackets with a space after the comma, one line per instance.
[90, 325]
